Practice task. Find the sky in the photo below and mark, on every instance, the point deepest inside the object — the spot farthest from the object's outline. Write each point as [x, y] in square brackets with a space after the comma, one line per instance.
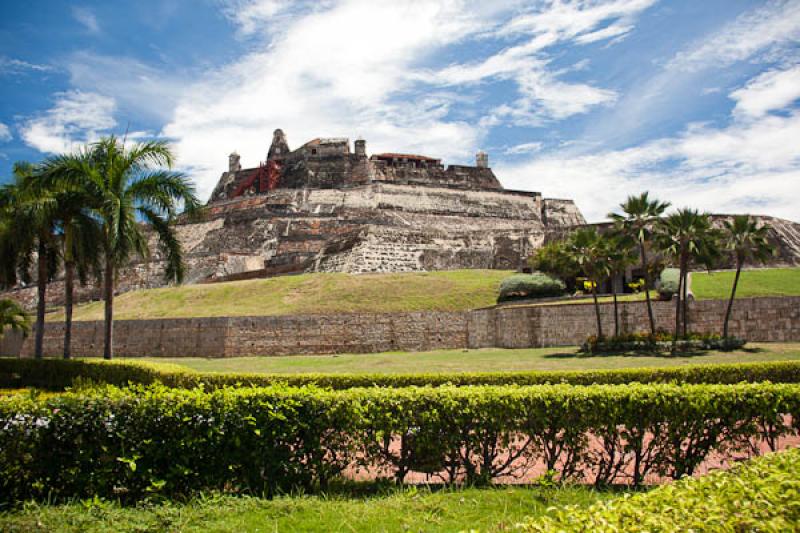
[594, 100]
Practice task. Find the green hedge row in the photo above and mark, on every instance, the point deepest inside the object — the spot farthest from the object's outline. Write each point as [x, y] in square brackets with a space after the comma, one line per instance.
[57, 374]
[130, 443]
[760, 495]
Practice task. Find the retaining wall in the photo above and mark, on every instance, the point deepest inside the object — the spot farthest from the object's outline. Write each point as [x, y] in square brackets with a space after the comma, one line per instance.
[756, 319]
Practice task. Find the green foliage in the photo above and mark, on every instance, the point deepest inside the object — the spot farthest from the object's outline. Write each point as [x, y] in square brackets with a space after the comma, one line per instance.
[13, 317]
[760, 495]
[134, 443]
[54, 374]
[668, 283]
[660, 342]
[553, 259]
[535, 285]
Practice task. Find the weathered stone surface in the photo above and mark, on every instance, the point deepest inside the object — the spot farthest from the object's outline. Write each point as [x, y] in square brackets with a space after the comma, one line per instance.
[755, 319]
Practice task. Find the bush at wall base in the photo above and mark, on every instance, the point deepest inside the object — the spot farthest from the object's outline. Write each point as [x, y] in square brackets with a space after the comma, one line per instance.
[658, 343]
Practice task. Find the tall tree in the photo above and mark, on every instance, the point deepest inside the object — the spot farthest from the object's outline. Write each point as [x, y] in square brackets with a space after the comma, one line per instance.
[553, 258]
[747, 242]
[588, 251]
[621, 253]
[639, 214]
[13, 317]
[687, 236]
[27, 207]
[79, 235]
[129, 185]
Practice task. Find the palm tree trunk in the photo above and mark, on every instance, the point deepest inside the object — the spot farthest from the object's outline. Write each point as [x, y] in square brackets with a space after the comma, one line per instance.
[597, 311]
[730, 301]
[108, 289]
[685, 299]
[643, 253]
[678, 306]
[616, 309]
[69, 277]
[41, 289]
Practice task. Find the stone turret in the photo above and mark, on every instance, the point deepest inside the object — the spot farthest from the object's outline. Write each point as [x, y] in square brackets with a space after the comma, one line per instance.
[361, 147]
[279, 147]
[482, 160]
[234, 164]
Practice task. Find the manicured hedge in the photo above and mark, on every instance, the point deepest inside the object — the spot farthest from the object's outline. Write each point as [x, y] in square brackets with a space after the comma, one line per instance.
[131, 443]
[57, 374]
[760, 495]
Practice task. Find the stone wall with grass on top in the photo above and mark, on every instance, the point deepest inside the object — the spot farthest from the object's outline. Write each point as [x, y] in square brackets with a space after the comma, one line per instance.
[774, 319]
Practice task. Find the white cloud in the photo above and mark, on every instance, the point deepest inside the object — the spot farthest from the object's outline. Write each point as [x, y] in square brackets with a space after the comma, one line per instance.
[252, 15]
[333, 72]
[775, 24]
[86, 18]
[17, 66]
[771, 90]
[615, 30]
[138, 89]
[747, 166]
[5, 133]
[523, 148]
[76, 118]
[543, 95]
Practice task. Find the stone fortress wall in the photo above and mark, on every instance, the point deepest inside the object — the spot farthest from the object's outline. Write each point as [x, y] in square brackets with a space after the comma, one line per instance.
[755, 319]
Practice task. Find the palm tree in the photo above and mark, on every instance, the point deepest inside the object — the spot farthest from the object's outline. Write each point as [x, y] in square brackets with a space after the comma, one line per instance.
[27, 208]
[621, 253]
[748, 243]
[640, 212]
[12, 316]
[587, 250]
[127, 185]
[79, 233]
[687, 236]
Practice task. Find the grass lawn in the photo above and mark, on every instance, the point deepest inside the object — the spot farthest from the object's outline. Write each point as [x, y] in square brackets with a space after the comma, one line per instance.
[484, 360]
[757, 282]
[410, 509]
[306, 294]
[454, 290]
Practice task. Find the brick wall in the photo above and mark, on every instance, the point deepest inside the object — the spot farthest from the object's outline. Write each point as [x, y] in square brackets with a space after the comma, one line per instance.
[756, 319]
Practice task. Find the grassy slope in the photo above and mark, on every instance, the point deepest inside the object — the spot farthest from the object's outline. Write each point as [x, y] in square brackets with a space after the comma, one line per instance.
[762, 282]
[309, 293]
[376, 293]
[489, 509]
[485, 360]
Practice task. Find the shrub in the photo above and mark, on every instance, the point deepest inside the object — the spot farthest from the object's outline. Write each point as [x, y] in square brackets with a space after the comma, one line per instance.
[535, 285]
[759, 495]
[667, 285]
[133, 443]
[660, 342]
[57, 374]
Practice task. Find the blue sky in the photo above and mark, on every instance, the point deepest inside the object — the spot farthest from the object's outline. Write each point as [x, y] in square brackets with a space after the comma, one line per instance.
[592, 100]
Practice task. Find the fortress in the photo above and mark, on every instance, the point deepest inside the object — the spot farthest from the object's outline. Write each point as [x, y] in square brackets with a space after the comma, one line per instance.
[324, 208]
